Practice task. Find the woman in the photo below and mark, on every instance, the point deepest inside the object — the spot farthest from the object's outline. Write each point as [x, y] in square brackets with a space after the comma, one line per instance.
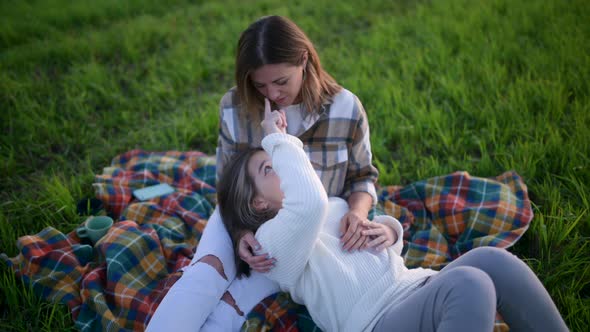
[278, 195]
[275, 60]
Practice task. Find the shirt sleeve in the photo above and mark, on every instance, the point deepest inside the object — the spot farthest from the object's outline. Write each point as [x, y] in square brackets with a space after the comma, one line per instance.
[361, 175]
[226, 144]
[290, 235]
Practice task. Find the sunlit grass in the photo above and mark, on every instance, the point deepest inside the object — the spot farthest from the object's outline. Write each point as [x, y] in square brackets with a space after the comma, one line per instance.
[480, 86]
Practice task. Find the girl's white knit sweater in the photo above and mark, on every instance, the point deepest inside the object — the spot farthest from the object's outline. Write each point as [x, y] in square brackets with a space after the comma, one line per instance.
[343, 291]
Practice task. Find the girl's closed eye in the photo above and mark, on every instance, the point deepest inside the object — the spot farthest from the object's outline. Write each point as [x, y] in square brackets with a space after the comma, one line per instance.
[282, 82]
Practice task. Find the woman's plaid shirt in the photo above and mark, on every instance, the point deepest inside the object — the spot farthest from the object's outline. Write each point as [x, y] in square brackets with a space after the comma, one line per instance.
[336, 140]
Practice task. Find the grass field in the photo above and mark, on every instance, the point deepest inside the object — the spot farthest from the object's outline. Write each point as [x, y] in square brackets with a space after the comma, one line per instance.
[482, 86]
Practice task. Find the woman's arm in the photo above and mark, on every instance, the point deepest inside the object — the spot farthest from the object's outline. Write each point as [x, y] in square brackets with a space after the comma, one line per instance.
[290, 236]
[362, 202]
[359, 186]
[226, 142]
[361, 175]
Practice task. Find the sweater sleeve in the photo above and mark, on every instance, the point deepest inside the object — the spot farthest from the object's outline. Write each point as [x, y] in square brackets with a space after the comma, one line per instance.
[290, 235]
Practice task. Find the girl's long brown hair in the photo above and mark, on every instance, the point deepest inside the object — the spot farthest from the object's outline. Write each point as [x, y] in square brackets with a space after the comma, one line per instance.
[235, 194]
[274, 40]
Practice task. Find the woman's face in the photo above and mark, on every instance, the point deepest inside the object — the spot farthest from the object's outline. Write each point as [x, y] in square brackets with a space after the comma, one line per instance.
[280, 83]
[266, 181]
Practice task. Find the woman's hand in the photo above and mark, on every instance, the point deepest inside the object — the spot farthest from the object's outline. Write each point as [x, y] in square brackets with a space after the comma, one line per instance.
[274, 121]
[381, 236]
[250, 252]
[351, 227]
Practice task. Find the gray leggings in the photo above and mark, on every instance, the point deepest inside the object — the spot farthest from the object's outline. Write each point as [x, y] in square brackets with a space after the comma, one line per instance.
[465, 295]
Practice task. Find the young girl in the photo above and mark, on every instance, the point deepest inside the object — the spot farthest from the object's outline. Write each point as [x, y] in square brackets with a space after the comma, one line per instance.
[276, 194]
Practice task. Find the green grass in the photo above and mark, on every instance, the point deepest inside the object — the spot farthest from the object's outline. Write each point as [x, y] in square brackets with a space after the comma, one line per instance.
[481, 86]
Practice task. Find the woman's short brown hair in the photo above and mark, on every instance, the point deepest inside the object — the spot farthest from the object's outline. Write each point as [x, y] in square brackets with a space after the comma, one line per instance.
[235, 193]
[274, 40]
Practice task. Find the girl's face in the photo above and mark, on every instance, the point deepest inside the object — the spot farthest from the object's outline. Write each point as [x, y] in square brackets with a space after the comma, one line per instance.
[266, 181]
[280, 83]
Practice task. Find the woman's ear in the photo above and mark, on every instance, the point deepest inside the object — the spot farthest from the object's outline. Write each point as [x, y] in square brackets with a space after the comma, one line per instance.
[259, 203]
[305, 56]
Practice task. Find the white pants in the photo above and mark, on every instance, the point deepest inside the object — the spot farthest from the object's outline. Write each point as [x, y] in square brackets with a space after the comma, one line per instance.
[193, 302]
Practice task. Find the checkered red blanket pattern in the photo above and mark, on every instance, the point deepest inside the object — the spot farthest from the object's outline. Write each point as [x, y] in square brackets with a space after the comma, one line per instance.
[136, 263]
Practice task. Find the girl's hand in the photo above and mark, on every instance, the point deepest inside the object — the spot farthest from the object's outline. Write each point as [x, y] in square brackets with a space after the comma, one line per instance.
[381, 236]
[274, 121]
[250, 252]
[351, 227]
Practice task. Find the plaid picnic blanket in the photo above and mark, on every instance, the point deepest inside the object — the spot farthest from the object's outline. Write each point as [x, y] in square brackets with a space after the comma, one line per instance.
[139, 259]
